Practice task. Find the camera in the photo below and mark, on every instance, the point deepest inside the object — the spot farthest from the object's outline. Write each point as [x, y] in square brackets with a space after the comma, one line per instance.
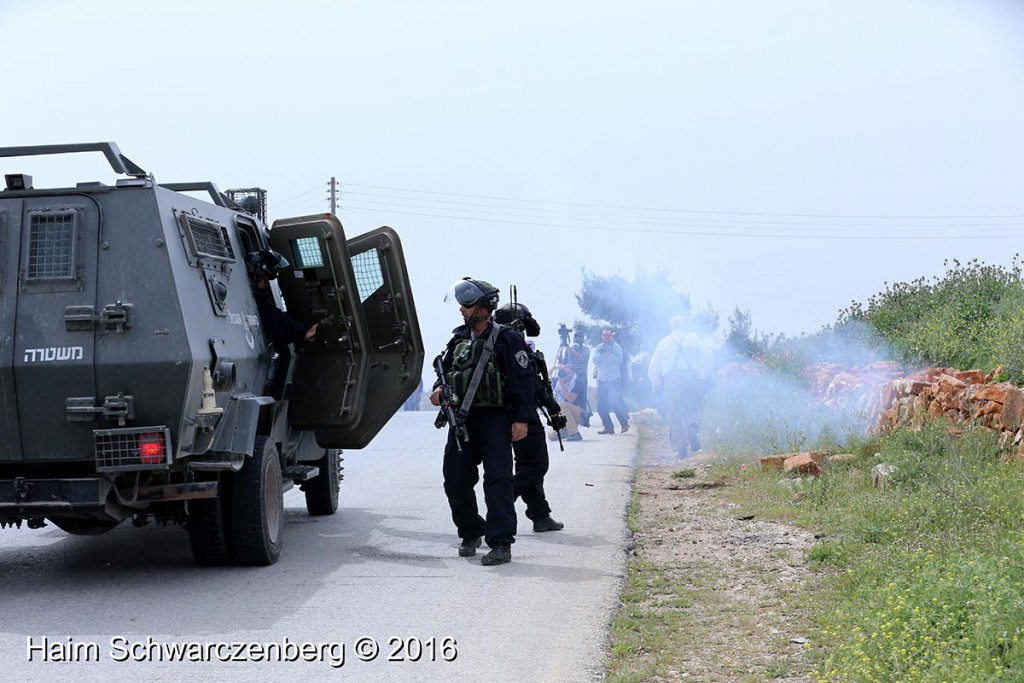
[563, 333]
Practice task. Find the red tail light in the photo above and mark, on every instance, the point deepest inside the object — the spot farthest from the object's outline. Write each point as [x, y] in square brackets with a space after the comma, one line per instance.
[151, 449]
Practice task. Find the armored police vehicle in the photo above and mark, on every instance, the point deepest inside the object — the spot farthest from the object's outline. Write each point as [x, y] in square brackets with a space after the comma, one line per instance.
[133, 364]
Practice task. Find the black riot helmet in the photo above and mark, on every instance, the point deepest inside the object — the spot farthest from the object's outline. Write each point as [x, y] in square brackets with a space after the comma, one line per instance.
[265, 263]
[517, 315]
[468, 292]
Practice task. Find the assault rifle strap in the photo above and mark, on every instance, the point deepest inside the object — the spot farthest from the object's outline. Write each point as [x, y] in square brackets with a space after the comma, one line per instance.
[478, 371]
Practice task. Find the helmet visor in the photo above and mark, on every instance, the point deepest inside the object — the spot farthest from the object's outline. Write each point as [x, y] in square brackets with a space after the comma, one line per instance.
[464, 292]
[275, 263]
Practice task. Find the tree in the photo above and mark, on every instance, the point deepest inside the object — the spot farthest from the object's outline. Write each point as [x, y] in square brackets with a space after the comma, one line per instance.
[638, 310]
[742, 340]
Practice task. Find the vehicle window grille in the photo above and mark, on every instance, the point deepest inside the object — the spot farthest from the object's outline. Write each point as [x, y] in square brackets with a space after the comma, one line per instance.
[307, 252]
[120, 450]
[369, 277]
[51, 246]
[209, 239]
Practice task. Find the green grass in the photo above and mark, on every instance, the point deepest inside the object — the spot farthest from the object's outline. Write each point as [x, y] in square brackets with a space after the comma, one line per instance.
[646, 628]
[920, 583]
[924, 580]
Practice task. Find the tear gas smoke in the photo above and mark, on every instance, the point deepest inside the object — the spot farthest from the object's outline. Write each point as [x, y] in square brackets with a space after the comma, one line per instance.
[811, 393]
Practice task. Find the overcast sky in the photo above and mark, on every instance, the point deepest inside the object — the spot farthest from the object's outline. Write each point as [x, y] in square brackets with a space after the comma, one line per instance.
[782, 156]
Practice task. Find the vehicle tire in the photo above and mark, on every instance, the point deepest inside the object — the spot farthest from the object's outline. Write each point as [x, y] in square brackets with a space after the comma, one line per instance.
[208, 528]
[256, 510]
[83, 527]
[322, 490]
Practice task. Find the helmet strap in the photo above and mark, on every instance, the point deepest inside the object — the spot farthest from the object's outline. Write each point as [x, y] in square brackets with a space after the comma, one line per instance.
[474, 317]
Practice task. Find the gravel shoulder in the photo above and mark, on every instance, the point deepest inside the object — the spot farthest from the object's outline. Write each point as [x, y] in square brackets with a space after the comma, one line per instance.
[728, 588]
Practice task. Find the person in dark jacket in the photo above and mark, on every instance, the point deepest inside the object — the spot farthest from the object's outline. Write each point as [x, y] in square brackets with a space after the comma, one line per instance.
[487, 367]
[278, 327]
[531, 452]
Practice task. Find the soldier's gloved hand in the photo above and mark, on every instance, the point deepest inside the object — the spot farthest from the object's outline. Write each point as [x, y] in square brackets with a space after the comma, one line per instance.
[558, 421]
[329, 329]
[551, 405]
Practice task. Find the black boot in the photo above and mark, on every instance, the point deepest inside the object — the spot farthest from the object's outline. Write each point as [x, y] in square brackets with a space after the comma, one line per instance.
[547, 524]
[500, 554]
[469, 546]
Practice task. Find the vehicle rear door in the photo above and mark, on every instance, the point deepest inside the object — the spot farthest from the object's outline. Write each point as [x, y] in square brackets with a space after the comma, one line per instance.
[392, 331]
[56, 242]
[345, 389]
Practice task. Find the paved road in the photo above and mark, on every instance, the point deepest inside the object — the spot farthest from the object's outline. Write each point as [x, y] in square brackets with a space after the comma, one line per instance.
[385, 568]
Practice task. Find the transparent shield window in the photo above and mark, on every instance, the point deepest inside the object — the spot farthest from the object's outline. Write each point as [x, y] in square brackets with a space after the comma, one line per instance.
[369, 276]
[51, 247]
[306, 253]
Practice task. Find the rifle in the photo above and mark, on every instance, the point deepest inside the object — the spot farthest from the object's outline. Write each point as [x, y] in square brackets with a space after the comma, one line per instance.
[448, 401]
[555, 420]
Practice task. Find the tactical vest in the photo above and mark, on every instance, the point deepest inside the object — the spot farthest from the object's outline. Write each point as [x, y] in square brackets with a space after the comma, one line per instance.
[491, 392]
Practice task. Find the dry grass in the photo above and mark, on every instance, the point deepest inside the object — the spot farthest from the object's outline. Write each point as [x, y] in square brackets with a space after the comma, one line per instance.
[709, 596]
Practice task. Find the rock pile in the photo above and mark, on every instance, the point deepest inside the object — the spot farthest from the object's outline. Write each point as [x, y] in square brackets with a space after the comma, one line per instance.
[888, 398]
[964, 397]
[856, 388]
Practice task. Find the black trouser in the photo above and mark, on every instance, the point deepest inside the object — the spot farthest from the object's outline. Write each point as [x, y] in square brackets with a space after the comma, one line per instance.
[278, 374]
[531, 457]
[490, 444]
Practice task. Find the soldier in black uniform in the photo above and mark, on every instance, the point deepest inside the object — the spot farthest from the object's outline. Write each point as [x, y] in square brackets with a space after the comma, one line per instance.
[495, 405]
[280, 328]
[531, 452]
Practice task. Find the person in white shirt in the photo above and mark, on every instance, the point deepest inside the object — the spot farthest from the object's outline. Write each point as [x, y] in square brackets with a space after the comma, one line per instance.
[680, 367]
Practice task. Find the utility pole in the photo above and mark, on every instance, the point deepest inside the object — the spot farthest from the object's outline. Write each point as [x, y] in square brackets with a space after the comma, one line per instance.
[334, 196]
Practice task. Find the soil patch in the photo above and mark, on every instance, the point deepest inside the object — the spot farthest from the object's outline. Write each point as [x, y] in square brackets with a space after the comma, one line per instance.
[743, 580]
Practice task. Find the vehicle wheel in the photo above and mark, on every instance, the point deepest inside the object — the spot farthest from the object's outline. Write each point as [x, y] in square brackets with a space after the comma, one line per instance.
[322, 490]
[256, 510]
[83, 527]
[207, 525]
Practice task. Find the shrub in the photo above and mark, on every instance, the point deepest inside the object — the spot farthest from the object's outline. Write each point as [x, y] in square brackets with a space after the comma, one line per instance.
[972, 317]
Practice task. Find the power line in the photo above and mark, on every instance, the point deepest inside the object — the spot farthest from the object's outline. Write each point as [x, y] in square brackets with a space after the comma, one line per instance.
[693, 211]
[298, 196]
[669, 221]
[696, 233]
